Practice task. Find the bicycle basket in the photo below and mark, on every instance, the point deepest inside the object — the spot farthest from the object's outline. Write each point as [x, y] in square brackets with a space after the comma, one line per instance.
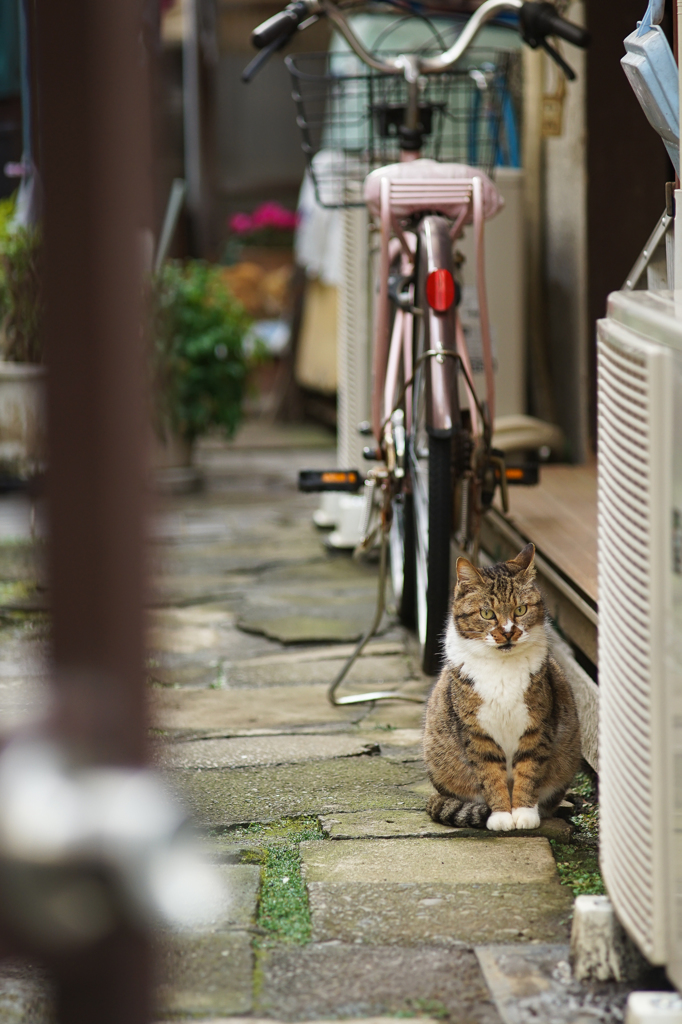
[349, 117]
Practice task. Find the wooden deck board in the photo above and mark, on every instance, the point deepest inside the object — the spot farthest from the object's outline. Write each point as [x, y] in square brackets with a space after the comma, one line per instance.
[560, 517]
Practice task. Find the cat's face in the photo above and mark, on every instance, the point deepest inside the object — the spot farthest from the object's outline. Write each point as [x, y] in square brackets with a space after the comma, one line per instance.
[500, 606]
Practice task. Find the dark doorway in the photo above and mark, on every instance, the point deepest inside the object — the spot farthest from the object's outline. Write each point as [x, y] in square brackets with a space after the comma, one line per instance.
[627, 164]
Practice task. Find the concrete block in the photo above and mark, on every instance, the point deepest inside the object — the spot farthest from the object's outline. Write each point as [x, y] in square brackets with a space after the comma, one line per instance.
[438, 914]
[654, 1008]
[600, 948]
[466, 861]
[208, 975]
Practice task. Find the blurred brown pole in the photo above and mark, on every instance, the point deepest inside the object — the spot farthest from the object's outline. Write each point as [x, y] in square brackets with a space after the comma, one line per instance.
[93, 124]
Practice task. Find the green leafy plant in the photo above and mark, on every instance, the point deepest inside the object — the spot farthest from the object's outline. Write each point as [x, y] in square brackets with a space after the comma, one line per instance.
[199, 361]
[578, 861]
[20, 291]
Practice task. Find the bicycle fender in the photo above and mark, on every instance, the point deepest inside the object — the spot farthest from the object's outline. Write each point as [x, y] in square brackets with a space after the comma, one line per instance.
[442, 399]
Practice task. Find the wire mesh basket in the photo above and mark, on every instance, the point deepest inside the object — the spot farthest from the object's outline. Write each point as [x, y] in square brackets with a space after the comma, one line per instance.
[349, 117]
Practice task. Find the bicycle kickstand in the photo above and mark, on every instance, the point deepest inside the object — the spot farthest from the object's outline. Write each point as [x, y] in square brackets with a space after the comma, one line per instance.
[362, 698]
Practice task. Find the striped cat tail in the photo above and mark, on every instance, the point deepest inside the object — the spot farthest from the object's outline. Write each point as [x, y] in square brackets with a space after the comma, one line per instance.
[451, 810]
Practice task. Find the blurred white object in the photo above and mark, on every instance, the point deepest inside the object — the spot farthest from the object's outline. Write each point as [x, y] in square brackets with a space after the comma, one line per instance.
[79, 848]
[273, 335]
[318, 242]
[512, 433]
[653, 1008]
[328, 514]
[349, 532]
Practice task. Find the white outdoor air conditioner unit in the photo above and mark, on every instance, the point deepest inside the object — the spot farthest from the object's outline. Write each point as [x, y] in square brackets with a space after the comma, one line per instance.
[640, 618]
[353, 339]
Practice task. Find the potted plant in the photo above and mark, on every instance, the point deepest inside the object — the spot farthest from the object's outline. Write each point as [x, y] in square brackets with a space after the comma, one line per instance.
[199, 363]
[22, 373]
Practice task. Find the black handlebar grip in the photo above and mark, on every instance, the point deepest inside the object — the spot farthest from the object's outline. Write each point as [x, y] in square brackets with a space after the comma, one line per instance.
[539, 20]
[280, 26]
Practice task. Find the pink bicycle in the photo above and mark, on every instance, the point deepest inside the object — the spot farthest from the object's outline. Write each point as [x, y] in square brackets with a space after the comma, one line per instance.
[436, 469]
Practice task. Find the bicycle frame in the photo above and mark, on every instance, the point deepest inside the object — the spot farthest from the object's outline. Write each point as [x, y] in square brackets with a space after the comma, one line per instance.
[444, 329]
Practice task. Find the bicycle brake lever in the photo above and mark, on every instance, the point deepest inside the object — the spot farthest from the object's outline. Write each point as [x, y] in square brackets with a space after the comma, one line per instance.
[261, 58]
[558, 59]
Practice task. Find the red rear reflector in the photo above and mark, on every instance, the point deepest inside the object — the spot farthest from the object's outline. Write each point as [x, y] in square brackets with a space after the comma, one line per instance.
[440, 290]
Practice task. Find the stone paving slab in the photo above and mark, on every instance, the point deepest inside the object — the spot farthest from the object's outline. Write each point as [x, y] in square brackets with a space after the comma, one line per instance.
[533, 985]
[477, 860]
[379, 669]
[242, 882]
[24, 995]
[219, 798]
[398, 714]
[261, 750]
[208, 974]
[381, 825]
[211, 972]
[329, 652]
[285, 605]
[189, 630]
[439, 914]
[255, 548]
[389, 738]
[405, 824]
[280, 708]
[269, 1020]
[335, 980]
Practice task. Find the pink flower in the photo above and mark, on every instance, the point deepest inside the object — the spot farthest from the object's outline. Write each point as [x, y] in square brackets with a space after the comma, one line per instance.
[241, 224]
[272, 215]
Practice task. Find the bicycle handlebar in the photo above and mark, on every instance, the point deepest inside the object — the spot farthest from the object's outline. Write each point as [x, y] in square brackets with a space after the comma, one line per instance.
[283, 24]
[537, 21]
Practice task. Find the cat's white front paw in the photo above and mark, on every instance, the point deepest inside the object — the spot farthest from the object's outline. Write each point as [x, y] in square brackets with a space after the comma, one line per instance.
[526, 817]
[500, 821]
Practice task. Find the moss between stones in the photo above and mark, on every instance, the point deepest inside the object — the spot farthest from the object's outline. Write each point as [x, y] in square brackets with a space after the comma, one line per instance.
[283, 911]
[578, 863]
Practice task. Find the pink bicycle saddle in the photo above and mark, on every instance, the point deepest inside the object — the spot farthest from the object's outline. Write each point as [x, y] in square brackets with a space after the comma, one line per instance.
[422, 171]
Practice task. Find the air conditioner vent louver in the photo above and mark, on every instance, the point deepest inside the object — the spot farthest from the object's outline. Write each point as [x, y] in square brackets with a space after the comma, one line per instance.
[353, 339]
[633, 417]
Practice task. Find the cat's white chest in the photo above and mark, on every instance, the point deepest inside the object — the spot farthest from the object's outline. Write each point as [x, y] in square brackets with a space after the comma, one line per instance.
[503, 713]
[501, 681]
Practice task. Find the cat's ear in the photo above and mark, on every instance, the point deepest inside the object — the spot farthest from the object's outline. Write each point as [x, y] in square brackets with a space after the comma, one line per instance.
[524, 561]
[466, 572]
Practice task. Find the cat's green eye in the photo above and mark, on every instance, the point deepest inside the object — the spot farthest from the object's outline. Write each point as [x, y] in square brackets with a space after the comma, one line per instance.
[521, 609]
[487, 613]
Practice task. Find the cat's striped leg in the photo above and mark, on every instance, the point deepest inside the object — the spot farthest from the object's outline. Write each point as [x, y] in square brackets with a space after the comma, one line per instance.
[529, 766]
[490, 764]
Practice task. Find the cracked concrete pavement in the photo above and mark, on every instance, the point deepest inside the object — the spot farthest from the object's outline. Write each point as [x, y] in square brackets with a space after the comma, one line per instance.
[250, 620]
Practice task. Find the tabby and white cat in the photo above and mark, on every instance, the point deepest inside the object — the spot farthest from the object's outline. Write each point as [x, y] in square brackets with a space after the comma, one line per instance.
[501, 733]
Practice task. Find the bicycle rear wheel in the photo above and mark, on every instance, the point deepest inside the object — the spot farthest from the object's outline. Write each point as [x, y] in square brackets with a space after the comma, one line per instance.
[402, 542]
[435, 418]
[432, 481]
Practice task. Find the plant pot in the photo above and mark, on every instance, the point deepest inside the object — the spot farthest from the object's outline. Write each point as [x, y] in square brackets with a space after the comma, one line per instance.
[23, 434]
[172, 467]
